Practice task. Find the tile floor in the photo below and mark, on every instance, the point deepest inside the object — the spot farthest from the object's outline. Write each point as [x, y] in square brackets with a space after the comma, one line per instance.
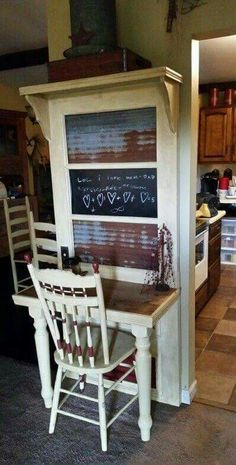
[216, 345]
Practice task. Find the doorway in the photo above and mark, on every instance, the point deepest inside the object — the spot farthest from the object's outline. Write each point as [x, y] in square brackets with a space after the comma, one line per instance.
[215, 335]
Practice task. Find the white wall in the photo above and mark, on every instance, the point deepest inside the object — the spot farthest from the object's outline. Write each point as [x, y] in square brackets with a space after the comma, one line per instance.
[24, 76]
[212, 19]
[144, 29]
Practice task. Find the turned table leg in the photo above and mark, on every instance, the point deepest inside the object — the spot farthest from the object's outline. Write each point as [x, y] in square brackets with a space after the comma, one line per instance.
[43, 354]
[143, 371]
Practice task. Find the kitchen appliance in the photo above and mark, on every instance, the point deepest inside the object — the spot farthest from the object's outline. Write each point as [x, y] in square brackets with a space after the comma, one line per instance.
[224, 183]
[209, 200]
[201, 253]
[209, 183]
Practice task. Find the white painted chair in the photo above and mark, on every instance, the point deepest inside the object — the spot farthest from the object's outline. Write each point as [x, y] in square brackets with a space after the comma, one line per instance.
[88, 349]
[44, 244]
[17, 223]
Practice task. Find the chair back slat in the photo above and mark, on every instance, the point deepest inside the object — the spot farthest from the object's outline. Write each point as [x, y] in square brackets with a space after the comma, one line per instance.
[52, 308]
[18, 232]
[58, 297]
[47, 244]
[89, 339]
[50, 259]
[18, 208]
[78, 351]
[61, 308]
[67, 300]
[101, 303]
[44, 244]
[21, 220]
[62, 278]
[21, 245]
[17, 221]
[41, 226]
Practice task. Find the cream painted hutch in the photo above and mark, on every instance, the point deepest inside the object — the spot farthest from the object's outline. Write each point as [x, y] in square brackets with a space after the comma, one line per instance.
[113, 154]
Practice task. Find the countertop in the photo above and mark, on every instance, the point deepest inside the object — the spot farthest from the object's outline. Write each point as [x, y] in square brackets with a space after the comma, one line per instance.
[212, 220]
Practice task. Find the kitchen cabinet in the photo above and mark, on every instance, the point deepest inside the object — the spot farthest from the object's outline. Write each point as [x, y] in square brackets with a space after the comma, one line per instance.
[214, 247]
[216, 141]
[213, 277]
[201, 297]
[205, 292]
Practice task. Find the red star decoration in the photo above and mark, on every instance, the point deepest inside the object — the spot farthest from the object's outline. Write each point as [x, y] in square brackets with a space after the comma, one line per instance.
[82, 37]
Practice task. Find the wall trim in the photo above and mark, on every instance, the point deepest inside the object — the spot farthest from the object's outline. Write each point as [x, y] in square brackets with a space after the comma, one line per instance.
[187, 395]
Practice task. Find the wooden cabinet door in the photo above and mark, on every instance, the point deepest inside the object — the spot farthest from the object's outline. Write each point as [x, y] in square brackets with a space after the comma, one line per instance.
[213, 278]
[234, 136]
[201, 298]
[214, 229]
[214, 245]
[215, 135]
[214, 249]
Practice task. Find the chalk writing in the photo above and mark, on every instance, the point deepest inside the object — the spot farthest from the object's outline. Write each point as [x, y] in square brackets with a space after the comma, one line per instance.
[128, 192]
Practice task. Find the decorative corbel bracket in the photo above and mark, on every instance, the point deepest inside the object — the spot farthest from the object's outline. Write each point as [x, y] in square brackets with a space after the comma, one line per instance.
[169, 97]
[41, 109]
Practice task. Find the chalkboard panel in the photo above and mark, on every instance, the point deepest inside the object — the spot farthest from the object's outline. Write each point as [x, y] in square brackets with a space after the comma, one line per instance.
[120, 192]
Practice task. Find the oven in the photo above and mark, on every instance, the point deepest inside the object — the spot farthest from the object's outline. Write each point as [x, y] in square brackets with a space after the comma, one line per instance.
[201, 254]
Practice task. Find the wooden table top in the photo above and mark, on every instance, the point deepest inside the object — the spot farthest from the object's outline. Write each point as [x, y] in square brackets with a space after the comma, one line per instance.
[125, 302]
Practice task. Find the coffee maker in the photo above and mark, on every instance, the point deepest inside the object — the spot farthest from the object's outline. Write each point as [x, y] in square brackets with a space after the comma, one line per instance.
[209, 182]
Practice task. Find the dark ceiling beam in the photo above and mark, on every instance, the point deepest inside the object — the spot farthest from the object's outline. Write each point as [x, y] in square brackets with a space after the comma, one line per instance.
[38, 56]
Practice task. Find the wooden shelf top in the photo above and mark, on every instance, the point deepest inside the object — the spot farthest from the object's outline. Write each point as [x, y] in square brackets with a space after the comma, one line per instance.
[129, 77]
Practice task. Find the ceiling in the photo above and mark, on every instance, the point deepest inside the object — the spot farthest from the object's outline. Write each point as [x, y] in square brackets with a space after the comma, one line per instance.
[23, 27]
[217, 58]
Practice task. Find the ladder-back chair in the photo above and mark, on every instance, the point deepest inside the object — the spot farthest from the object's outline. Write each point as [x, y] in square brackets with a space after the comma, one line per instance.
[44, 244]
[17, 223]
[88, 348]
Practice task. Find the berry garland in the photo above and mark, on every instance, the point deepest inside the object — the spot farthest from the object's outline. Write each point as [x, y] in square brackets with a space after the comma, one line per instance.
[161, 273]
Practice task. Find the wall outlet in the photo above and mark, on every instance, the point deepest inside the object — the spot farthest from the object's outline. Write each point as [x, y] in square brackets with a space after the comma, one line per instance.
[64, 254]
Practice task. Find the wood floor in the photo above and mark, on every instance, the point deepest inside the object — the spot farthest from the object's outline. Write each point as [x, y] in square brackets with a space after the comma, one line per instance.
[216, 345]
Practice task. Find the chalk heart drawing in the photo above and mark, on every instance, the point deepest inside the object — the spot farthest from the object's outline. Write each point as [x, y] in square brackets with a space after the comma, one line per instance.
[126, 196]
[111, 197]
[86, 200]
[143, 196]
[100, 199]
